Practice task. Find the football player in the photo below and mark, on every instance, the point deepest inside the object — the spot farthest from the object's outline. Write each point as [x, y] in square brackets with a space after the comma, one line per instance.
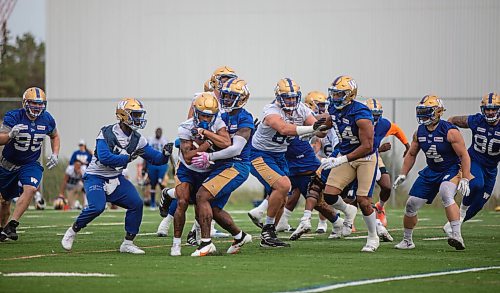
[190, 178]
[231, 167]
[383, 128]
[353, 123]
[116, 146]
[283, 119]
[445, 154]
[156, 173]
[484, 153]
[72, 184]
[22, 133]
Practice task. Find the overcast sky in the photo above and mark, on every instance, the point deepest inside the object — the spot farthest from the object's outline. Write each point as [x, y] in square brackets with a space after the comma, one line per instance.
[28, 16]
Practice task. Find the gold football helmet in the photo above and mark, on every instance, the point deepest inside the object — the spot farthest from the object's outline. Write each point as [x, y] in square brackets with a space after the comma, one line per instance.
[287, 93]
[429, 110]
[207, 87]
[34, 101]
[206, 108]
[130, 111]
[220, 76]
[490, 107]
[317, 102]
[342, 91]
[376, 108]
[234, 94]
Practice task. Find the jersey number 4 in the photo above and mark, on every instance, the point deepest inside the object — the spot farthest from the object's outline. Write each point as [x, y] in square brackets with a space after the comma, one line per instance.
[25, 141]
[432, 153]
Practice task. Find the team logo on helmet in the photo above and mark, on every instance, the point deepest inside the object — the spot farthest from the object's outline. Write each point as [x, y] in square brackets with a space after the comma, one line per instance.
[131, 112]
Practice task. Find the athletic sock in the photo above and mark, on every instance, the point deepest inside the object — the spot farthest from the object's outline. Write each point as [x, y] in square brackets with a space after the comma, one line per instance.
[463, 211]
[455, 226]
[177, 241]
[269, 220]
[340, 204]
[171, 193]
[238, 236]
[307, 214]
[381, 203]
[408, 234]
[371, 224]
[263, 206]
[153, 200]
[286, 214]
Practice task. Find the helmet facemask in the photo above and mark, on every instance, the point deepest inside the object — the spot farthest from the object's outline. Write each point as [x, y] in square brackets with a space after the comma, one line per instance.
[136, 119]
[230, 101]
[377, 113]
[321, 107]
[338, 98]
[289, 101]
[203, 119]
[492, 115]
[34, 108]
[426, 115]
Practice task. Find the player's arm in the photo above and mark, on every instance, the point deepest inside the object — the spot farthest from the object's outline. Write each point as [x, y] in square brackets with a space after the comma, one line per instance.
[220, 138]
[277, 123]
[189, 151]
[107, 158]
[411, 156]
[154, 157]
[365, 138]
[55, 142]
[4, 134]
[460, 121]
[63, 185]
[457, 143]
[399, 133]
[240, 139]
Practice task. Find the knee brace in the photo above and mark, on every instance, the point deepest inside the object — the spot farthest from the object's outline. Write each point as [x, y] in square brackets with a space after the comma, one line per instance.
[315, 187]
[447, 191]
[413, 204]
[331, 199]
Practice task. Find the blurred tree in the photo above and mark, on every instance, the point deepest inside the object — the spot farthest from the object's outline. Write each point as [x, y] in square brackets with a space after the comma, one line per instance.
[23, 66]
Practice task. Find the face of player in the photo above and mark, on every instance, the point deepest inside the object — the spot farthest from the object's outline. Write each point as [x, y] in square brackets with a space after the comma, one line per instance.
[491, 113]
[158, 133]
[321, 108]
[35, 108]
[205, 117]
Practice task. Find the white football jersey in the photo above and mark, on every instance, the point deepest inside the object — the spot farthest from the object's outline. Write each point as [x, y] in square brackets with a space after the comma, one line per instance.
[74, 178]
[184, 132]
[268, 139]
[96, 168]
[328, 143]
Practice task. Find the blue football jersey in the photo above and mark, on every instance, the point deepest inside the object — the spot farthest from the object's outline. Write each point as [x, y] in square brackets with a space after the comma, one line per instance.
[82, 156]
[242, 119]
[344, 123]
[438, 151]
[485, 147]
[381, 128]
[26, 148]
[300, 157]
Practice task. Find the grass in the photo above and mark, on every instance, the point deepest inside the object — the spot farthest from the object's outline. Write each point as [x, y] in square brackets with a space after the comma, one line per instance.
[309, 262]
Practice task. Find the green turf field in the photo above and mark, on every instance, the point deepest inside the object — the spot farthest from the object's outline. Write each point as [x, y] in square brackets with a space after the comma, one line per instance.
[311, 262]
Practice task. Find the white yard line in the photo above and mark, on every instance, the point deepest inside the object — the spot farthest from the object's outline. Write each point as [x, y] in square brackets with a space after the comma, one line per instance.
[396, 278]
[57, 274]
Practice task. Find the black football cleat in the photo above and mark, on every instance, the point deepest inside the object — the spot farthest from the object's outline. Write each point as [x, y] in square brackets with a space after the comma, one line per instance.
[268, 237]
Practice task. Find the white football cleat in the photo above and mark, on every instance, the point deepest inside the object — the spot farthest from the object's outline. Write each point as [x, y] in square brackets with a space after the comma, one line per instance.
[304, 227]
[322, 227]
[163, 227]
[371, 245]
[256, 216]
[337, 229]
[350, 213]
[405, 244]
[129, 247]
[237, 244]
[205, 250]
[175, 250]
[68, 238]
[455, 240]
[383, 233]
[447, 229]
[282, 225]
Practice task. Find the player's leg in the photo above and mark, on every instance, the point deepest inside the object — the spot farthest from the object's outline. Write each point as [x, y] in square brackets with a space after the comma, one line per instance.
[164, 225]
[490, 176]
[127, 197]
[385, 192]
[447, 191]
[313, 194]
[293, 199]
[4, 212]
[182, 191]
[96, 204]
[153, 172]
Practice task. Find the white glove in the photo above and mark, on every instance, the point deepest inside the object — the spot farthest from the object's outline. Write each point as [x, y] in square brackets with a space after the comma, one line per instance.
[329, 163]
[398, 181]
[15, 130]
[463, 187]
[53, 160]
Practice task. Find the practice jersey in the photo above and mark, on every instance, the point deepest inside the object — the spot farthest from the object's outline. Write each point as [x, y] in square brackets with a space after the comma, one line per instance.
[184, 132]
[123, 143]
[73, 177]
[485, 147]
[438, 151]
[344, 123]
[243, 119]
[26, 147]
[328, 143]
[300, 157]
[268, 139]
[84, 157]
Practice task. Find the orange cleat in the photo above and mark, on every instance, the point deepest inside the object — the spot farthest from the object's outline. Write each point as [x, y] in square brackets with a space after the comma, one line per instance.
[354, 228]
[381, 214]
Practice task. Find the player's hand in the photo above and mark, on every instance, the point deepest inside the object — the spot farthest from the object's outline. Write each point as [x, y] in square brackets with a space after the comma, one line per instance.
[463, 187]
[320, 122]
[52, 161]
[398, 181]
[15, 130]
[329, 163]
[135, 154]
[167, 149]
[384, 147]
[202, 160]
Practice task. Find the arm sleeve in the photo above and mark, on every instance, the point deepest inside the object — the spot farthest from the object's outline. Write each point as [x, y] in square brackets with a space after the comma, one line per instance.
[153, 156]
[398, 132]
[229, 152]
[107, 158]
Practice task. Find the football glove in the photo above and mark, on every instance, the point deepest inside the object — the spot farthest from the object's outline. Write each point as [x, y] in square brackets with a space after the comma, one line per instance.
[15, 130]
[398, 181]
[167, 149]
[135, 154]
[202, 160]
[329, 163]
[463, 187]
[52, 161]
